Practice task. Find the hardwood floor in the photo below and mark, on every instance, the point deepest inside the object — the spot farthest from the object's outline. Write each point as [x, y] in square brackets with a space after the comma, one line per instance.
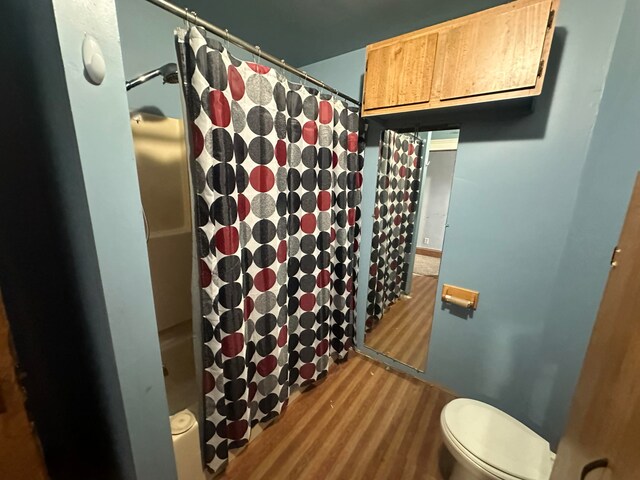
[362, 422]
[404, 331]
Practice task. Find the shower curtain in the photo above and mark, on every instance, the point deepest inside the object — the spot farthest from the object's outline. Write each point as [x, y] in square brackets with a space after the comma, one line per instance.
[397, 195]
[276, 172]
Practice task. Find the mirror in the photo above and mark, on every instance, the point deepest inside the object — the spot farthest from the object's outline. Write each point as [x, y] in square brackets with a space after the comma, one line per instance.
[415, 174]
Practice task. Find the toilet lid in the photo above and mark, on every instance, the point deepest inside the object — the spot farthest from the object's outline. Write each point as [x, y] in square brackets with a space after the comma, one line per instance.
[497, 439]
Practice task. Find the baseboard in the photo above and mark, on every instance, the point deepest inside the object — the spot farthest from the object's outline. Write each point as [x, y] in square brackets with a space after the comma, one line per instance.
[430, 252]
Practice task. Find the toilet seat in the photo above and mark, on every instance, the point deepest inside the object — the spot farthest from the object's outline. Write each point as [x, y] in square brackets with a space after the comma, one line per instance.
[495, 442]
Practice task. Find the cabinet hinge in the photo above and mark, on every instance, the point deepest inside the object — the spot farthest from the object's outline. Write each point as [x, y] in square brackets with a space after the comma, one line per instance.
[552, 15]
[540, 68]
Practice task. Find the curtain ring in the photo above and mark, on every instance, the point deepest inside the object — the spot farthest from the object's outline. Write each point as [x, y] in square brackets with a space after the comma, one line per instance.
[186, 18]
[195, 17]
[259, 54]
[226, 32]
[282, 70]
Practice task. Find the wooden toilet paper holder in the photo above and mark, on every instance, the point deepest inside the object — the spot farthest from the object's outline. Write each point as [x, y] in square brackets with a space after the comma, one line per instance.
[462, 297]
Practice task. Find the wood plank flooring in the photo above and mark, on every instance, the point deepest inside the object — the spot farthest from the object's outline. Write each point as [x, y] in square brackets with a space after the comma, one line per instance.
[404, 331]
[362, 422]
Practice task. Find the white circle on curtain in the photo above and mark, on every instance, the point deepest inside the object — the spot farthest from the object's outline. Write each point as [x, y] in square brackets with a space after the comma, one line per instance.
[323, 297]
[281, 179]
[267, 384]
[325, 136]
[293, 323]
[238, 117]
[263, 205]
[253, 408]
[282, 276]
[321, 364]
[342, 160]
[283, 357]
[293, 246]
[324, 221]
[244, 233]
[265, 302]
[220, 381]
[259, 89]
[250, 327]
[294, 155]
[209, 406]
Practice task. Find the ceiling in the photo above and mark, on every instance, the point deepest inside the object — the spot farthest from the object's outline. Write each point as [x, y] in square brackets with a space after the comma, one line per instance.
[305, 31]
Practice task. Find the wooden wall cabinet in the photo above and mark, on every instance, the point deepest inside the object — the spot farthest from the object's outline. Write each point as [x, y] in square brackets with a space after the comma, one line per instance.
[495, 54]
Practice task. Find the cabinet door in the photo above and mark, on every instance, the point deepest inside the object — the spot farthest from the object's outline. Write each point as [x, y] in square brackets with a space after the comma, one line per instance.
[604, 422]
[496, 52]
[400, 73]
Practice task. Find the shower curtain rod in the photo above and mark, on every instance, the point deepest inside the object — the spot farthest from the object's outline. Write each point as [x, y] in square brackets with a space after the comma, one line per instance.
[192, 17]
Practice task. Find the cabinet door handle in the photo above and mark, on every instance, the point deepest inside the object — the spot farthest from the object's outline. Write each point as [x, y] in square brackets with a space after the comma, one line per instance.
[589, 467]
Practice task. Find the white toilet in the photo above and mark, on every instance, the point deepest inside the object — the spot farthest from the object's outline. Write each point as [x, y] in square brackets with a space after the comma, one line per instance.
[488, 444]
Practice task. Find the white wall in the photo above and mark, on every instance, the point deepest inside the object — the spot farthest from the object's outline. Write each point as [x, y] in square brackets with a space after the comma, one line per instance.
[435, 199]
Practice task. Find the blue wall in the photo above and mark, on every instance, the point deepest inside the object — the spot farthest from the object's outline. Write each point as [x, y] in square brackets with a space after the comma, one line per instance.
[105, 151]
[516, 186]
[607, 179]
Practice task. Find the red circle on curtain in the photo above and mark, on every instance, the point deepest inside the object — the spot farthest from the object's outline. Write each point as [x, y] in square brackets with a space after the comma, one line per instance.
[326, 112]
[411, 149]
[324, 200]
[322, 347]
[219, 110]
[227, 240]
[262, 178]
[248, 307]
[335, 159]
[397, 220]
[244, 206]
[350, 285]
[253, 388]
[373, 269]
[310, 132]
[236, 85]
[266, 365]
[351, 216]
[205, 274]
[307, 370]
[352, 142]
[264, 279]
[198, 140]
[237, 429]
[233, 344]
[308, 223]
[282, 251]
[281, 153]
[333, 234]
[283, 336]
[258, 68]
[323, 279]
[307, 301]
[356, 245]
[358, 179]
[209, 382]
[403, 171]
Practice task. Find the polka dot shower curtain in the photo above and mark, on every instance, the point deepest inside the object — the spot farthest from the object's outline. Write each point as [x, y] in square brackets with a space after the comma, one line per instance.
[276, 173]
[398, 190]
